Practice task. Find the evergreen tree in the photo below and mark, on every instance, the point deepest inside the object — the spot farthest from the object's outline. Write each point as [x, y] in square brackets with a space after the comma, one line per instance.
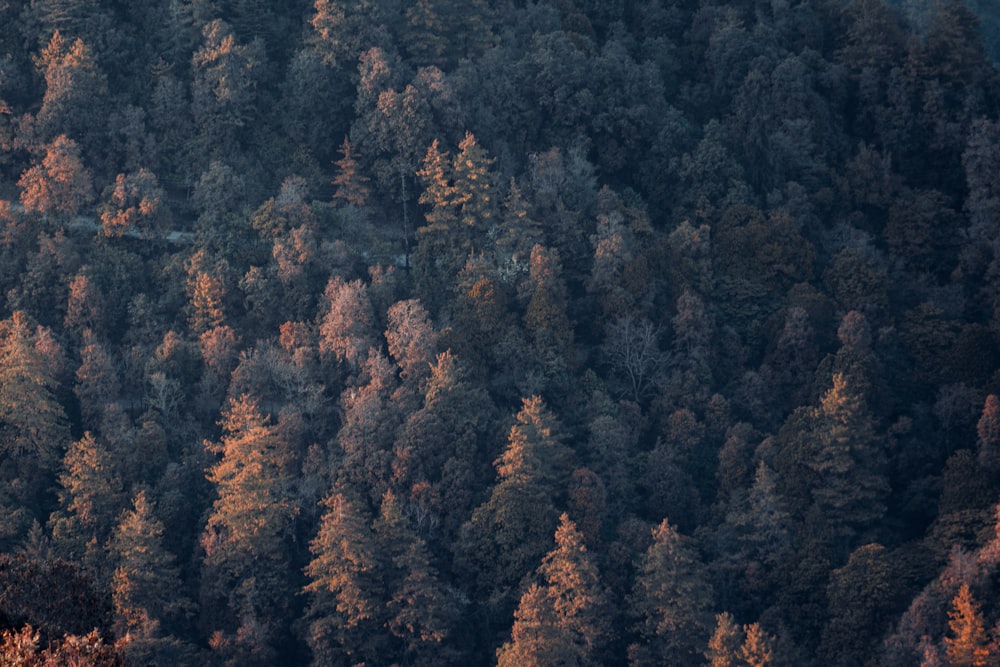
[422, 612]
[462, 204]
[562, 621]
[146, 586]
[345, 614]
[512, 530]
[32, 422]
[851, 487]
[758, 647]
[724, 646]
[966, 643]
[351, 186]
[671, 601]
[246, 572]
[91, 498]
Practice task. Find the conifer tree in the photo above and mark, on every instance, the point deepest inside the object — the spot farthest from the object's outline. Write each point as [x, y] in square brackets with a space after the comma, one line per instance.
[424, 35]
[562, 621]
[671, 600]
[368, 427]
[758, 648]
[146, 586]
[90, 500]
[32, 422]
[351, 185]
[512, 529]
[422, 612]
[345, 613]
[851, 486]
[460, 194]
[724, 646]
[966, 643]
[988, 432]
[246, 573]
[474, 193]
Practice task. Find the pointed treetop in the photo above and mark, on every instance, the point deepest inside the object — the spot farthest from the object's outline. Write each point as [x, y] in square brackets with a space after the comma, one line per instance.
[352, 186]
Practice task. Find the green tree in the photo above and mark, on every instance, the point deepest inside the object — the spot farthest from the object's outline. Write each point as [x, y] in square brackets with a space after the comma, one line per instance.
[224, 90]
[351, 185]
[988, 431]
[368, 427]
[562, 621]
[438, 450]
[344, 29]
[851, 487]
[671, 600]
[461, 197]
[422, 612]
[76, 95]
[862, 596]
[546, 316]
[441, 32]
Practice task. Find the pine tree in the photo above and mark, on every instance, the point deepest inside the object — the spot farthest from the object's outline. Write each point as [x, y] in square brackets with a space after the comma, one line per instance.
[758, 648]
[32, 422]
[422, 612]
[724, 646]
[146, 585]
[462, 206]
[345, 613]
[861, 597]
[851, 486]
[92, 496]
[562, 621]
[474, 193]
[424, 35]
[966, 645]
[246, 573]
[512, 530]
[351, 186]
[988, 432]
[368, 427]
[671, 600]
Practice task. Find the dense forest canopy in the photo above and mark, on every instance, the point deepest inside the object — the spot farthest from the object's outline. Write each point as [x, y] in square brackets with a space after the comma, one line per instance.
[455, 332]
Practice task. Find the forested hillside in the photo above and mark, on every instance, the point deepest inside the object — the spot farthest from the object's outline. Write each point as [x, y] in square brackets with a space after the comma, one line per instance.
[459, 332]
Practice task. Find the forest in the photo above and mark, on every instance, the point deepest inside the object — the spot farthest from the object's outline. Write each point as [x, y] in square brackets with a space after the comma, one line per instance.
[512, 332]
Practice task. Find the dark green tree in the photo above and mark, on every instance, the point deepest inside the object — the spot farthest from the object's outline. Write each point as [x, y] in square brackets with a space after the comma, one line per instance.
[671, 600]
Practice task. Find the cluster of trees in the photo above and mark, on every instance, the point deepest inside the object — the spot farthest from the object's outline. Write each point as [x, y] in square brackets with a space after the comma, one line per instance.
[542, 332]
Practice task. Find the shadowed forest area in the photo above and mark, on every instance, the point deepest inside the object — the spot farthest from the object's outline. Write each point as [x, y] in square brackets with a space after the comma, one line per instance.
[468, 332]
